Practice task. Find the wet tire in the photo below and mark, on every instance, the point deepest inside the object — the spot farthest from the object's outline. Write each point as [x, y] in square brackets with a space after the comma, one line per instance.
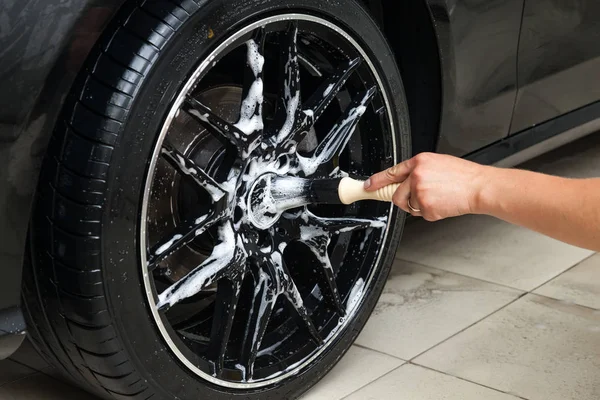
[87, 305]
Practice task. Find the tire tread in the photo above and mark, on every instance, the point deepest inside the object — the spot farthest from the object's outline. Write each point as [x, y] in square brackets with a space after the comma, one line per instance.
[63, 285]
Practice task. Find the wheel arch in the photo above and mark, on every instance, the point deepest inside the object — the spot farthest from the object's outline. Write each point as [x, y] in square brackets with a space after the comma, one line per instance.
[420, 62]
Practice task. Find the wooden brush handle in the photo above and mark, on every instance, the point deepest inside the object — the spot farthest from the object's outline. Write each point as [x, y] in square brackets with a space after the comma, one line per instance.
[351, 190]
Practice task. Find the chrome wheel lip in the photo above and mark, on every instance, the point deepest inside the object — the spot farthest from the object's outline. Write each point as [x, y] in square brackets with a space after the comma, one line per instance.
[189, 86]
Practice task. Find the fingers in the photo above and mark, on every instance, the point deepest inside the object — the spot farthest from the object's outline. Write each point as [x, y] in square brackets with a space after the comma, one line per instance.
[412, 201]
[403, 195]
[395, 174]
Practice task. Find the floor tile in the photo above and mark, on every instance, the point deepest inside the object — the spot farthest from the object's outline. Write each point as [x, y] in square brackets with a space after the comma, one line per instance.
[537, 347]
[11, 371]
[358, 367]
[422, 306]
[42, 387]
[489, 249]
[411, 382]
[27, 355]
[580, 284]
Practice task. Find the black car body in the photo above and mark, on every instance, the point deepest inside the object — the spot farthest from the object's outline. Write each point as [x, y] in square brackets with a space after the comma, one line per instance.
[493, 81]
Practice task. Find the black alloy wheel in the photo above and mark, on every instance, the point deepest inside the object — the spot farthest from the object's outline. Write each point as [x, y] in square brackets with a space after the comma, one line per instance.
[198, 286]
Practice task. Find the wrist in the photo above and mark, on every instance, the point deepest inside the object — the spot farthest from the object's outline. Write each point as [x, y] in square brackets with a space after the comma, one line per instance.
[484, 193]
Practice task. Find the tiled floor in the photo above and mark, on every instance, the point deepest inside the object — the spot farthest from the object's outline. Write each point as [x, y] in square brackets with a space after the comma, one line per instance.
[474, 309]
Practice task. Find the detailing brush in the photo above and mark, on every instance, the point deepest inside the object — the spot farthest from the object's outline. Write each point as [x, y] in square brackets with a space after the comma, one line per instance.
[271, 195]
[344, 191]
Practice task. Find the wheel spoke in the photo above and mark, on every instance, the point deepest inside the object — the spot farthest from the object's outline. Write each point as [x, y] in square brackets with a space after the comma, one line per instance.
[181, 236]
[316, 233]
[288, 288]
[228, 293]
[196, 321]
[289, 116]
[263, 302]
[227, 260]
[335, 225]
[336, 140]
[255, 48]
[318, 246]
[317, 241]
[188, 168]
[318, 102]
[227, 133]
[251, 121]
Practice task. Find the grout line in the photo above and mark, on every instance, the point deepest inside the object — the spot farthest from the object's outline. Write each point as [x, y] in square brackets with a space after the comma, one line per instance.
[467, 380]
[460, 274]
[469, 326]
[411, 361]
[496, 283]
[434, 370]
[380, 352]
[522, 294]
[565, 302]
[565, 271]
[373, 381]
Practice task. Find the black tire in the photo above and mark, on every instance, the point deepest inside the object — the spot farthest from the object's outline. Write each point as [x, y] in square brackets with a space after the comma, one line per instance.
[86, 305]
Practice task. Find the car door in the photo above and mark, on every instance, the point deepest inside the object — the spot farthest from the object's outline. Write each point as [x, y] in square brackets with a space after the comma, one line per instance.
[478, 42]
[558, 60]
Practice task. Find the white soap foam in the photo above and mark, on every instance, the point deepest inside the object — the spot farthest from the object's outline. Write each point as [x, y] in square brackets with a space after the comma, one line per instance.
[243, 369]
[265, 301]
[365, 239]
[269, 350]
[168, 244]
[202, 117]
[291, 110]
[214, 191]
[251, 110]
[355, 296]
[254, 58]
[205, 274]
[201, 219]
[328, 90]
[334, 142]
[289, 193]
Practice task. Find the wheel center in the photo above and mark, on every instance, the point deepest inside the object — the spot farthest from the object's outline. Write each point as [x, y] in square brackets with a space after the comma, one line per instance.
[272, 194]
[262, 206]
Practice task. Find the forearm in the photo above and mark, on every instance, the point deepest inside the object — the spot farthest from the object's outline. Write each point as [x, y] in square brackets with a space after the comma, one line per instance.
[440, 186]
[562, 208]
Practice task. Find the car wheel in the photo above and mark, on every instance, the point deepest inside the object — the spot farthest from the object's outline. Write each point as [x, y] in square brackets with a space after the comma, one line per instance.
[148, 276]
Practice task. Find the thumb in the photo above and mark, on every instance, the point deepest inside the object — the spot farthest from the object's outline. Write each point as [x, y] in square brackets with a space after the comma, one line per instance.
[395, 174]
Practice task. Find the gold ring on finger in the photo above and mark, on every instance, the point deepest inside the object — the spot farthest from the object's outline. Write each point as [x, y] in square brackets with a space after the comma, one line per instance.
[411, 208]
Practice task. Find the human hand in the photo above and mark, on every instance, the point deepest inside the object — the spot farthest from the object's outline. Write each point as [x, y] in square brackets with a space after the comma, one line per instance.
[438, 186]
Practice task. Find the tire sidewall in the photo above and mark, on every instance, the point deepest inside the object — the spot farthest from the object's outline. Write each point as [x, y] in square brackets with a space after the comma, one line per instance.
[122, 273]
